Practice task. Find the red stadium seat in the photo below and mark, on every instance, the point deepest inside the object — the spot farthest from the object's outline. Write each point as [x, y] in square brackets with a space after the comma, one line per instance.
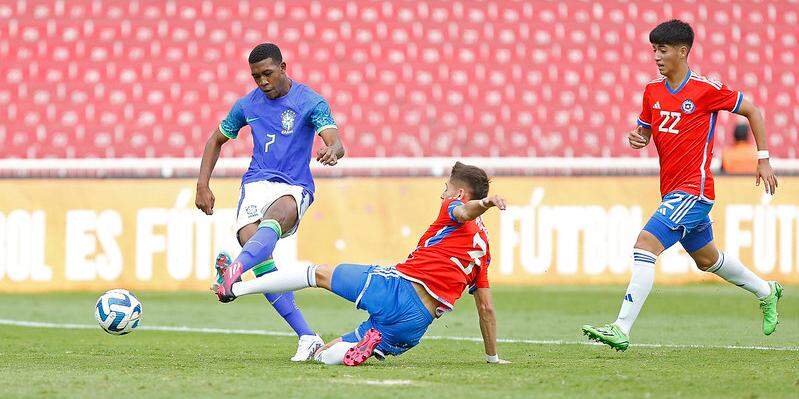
[144, 79]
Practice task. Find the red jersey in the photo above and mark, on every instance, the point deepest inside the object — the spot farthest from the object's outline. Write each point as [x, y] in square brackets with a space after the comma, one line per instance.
[450, 256]
[682, 122]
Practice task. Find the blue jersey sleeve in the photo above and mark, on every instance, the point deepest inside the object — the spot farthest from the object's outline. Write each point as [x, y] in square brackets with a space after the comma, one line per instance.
[233, 122]
[322, 118]
[451, 210]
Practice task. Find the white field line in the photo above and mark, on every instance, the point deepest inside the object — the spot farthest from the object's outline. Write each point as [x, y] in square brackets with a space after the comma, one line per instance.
[375, 382]
[207, 330]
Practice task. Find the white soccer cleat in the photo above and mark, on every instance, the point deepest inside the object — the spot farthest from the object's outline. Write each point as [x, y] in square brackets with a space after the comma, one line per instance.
[306, 347]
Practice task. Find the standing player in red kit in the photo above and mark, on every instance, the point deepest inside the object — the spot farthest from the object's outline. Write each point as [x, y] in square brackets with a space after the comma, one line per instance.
[403, 300]
[679, 112]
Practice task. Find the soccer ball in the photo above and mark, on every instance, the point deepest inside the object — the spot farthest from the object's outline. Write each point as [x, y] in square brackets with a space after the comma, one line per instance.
[118, 312]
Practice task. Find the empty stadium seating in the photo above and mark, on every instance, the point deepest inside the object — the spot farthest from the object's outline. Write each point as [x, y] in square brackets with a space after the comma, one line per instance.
[89, 78]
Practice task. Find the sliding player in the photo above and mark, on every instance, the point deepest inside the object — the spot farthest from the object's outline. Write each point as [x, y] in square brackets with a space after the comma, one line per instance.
[403, 300]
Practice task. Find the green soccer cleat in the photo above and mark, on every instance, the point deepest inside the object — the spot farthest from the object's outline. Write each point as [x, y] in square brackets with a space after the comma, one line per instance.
[769, 307]
[609, 334]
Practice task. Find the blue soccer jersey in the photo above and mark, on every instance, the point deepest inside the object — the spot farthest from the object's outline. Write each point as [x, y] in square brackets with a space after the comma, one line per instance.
[283, 131]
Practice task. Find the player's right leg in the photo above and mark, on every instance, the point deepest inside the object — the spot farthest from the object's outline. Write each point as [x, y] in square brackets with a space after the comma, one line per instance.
[267, 212]
[257, 249]
[655, 237]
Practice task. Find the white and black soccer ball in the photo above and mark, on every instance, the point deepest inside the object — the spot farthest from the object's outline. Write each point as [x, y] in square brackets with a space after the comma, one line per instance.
[118, 312]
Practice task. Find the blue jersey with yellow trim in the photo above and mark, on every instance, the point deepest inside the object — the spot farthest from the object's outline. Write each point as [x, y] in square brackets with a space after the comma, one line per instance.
[283, 131]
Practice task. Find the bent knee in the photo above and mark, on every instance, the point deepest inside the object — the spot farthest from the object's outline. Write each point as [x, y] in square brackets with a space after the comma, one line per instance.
[705, 262]
[648, 242]
[245, 233]
[284, 211]
[706, 257]
[324, 276]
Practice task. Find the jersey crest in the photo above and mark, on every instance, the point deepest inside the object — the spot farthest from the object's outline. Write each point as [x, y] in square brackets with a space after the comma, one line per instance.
[688, 106]
[287, 122]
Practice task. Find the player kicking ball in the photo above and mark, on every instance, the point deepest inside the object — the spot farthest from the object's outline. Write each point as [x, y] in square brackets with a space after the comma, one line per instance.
[679, 112]
[277, 189]
[403, 300]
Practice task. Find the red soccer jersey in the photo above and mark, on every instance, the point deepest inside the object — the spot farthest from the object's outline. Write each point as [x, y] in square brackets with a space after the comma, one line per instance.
[449, 257]
[682, 122]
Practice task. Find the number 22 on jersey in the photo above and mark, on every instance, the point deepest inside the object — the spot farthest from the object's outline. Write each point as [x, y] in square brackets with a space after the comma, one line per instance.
[674, 117]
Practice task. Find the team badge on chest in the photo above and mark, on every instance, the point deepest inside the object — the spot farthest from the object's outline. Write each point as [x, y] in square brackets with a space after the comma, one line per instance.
[688, 107]
[287, 122]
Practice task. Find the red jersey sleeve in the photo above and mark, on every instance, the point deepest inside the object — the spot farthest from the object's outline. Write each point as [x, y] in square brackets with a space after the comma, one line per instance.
[645, 117]
[721, 98]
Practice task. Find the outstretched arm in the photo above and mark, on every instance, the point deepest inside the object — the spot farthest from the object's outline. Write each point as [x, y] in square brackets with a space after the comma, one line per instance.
[764, 171]
[473, 209]
[488, 324]
[204, 198]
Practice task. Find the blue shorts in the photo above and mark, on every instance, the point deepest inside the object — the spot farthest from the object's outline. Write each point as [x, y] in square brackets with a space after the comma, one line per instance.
[394, 307]
[682, 217]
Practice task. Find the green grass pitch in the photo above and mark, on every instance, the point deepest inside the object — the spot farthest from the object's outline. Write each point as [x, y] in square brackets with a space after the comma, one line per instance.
[695, 324]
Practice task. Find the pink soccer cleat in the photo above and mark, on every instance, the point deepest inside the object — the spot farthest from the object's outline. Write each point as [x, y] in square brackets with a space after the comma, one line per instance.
[363, 349]
[226, 276]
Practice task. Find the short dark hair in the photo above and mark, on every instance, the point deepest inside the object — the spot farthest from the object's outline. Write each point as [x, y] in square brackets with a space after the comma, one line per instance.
[473, 177]
[264, 51]
[673, 33]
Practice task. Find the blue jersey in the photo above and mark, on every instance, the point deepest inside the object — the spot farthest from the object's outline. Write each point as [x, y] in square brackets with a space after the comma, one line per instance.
[283, 131]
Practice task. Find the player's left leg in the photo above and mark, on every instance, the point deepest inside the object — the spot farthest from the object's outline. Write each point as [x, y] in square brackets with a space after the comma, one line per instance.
[333, 352]
[398, 318]
[699, 244]
[283, 302]
[285, 305]
[349, 349]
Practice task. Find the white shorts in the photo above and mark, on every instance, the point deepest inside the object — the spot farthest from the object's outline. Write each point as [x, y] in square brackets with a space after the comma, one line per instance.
[258, 196]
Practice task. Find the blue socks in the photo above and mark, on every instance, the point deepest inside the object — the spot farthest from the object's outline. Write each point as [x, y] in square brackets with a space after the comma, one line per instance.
[285, 306]
[257, 255]
[284, 303]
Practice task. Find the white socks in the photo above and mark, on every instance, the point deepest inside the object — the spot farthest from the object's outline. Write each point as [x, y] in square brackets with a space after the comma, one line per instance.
[735, 272]
[281, 280]
[643, 276]
[335, 353]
